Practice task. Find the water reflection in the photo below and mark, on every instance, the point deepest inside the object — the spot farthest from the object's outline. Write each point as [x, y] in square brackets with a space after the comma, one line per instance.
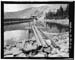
[55, 27]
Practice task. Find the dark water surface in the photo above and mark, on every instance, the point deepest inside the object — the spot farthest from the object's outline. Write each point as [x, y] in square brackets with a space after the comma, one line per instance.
[54, 27]
[58, 27]
[20, 26]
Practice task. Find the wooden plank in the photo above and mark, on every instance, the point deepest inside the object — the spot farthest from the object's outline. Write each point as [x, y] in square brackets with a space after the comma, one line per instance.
[36, 36]
[41, 39]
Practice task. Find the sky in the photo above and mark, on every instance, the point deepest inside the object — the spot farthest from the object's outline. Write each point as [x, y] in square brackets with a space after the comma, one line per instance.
[18, 7]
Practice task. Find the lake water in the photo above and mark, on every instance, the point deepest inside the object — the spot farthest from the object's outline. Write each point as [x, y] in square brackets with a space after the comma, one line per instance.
[55, 27]
[18, 30]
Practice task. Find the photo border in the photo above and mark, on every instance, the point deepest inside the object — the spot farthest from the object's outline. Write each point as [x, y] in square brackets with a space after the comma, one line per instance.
[71, 20]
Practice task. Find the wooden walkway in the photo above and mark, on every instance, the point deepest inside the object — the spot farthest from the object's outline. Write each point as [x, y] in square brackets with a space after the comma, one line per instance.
[38, 36]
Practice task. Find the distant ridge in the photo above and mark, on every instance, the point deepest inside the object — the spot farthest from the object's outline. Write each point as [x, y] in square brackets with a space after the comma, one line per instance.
[26, 13]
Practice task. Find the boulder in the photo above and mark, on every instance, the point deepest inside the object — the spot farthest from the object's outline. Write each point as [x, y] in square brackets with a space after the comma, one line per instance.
[40, 55]
[15, 51]
[21, 55]
[8, 56]
[7, 52]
